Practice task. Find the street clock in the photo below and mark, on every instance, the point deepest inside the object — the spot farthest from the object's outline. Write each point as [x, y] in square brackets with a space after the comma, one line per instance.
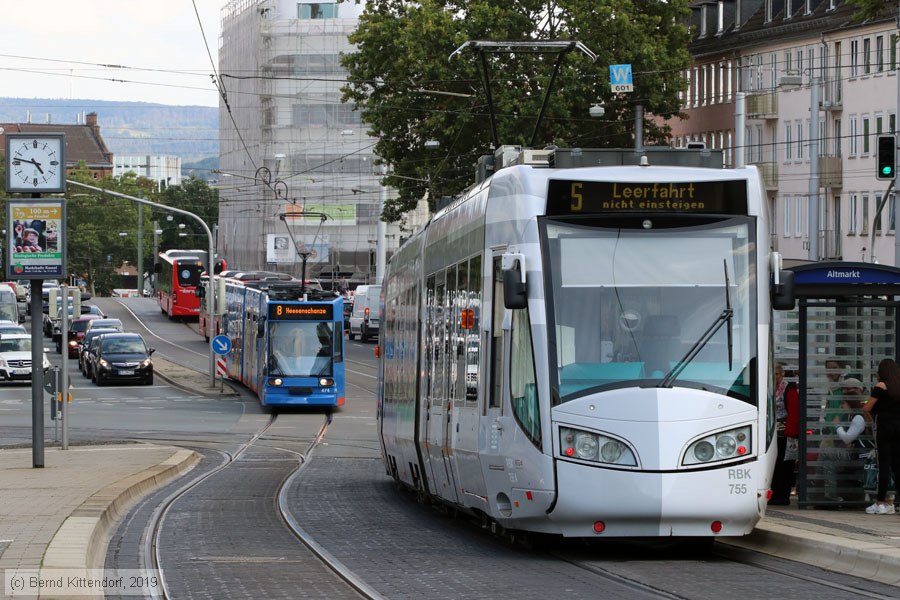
[35, 162]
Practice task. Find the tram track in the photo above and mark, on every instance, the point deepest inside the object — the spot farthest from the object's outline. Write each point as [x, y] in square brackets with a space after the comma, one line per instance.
[151, 553]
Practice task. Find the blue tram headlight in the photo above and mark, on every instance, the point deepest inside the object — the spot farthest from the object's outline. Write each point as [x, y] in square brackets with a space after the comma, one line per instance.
[723, 445]
[595, 447]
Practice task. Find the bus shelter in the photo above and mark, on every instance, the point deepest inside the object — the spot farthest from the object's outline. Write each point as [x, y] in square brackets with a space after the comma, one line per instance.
[830, 345]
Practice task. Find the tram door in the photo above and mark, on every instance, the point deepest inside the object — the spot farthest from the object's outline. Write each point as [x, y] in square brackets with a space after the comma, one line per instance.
[438, 407]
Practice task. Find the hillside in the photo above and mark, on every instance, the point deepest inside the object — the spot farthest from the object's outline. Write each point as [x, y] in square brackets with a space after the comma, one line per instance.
[191, 132]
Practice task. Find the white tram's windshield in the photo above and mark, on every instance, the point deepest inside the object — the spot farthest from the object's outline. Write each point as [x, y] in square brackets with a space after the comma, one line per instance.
[648, 307]
[301, 349]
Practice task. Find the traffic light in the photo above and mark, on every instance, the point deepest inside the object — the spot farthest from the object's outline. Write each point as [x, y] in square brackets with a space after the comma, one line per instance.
[886, 158]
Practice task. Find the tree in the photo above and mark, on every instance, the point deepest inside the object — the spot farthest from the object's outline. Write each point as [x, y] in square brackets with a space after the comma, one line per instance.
[872, 9]
[408, 91]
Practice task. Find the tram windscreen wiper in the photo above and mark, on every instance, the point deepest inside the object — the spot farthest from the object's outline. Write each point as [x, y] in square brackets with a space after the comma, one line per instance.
[726, 316]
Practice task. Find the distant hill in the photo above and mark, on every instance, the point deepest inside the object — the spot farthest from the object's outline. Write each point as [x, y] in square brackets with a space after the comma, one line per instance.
[131, 128]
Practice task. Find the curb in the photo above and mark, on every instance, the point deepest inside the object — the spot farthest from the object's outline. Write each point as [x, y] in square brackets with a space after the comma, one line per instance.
[199, 391]
[80, 542]
[872, 560]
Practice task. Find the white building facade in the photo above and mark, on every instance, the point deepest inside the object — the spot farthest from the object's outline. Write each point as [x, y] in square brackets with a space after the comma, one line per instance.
[282, 122]
[776, 52]
[164, 170]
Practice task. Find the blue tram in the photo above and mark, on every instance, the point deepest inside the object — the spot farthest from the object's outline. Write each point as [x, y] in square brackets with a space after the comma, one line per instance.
[287, 342]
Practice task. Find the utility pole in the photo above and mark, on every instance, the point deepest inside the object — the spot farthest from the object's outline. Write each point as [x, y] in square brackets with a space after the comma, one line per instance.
[140, 251]
[813, 206]
[896, 196]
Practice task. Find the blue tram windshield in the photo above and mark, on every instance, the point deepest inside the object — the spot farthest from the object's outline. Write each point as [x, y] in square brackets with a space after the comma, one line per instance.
[301, 348]
[629, 305]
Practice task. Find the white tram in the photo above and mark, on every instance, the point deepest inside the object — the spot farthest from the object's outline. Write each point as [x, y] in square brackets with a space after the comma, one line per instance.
[586, 351]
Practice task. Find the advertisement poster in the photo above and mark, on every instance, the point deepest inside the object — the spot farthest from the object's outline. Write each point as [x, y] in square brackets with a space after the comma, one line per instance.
[35, 239]
[280, 251]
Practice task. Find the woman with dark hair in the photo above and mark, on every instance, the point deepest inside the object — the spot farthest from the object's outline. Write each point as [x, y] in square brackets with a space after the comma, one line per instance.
[787, 425]
[884, 404]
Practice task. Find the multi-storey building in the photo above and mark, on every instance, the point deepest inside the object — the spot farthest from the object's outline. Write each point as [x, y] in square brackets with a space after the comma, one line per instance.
[164, 170]
[777, 53]
[282, 121]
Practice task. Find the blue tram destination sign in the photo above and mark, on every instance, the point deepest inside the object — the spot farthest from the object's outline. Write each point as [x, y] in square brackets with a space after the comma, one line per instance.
[35, 241]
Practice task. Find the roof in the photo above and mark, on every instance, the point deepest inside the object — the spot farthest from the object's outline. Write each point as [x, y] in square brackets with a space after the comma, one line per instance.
[83, 142]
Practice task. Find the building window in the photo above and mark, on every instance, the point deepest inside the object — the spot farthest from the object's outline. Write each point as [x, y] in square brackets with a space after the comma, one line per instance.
[851, 222]
[837, 137]
[720, 18]
[893, 52]
[879, 226]
[768, 11]
[865, 214]
[788, 55]
[759, 143]
[773, 70]
[854, 58]
[788, 145]
[317, 11]
[798, 128]
[787, 217]
[854, 143]
[879, 54]
[866, 135]
[798, 216]
[891, 212]
[728, 76]
[759, 71]
[867, 56]
[879, 123]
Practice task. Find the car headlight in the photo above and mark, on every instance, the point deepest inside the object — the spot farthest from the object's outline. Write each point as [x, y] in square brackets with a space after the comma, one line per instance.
[595, 447]
[3, 363]
[724, 445]
[102, 362]
[145, 363]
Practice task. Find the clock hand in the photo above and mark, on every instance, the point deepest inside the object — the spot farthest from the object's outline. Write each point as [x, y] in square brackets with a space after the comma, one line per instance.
[34, 162]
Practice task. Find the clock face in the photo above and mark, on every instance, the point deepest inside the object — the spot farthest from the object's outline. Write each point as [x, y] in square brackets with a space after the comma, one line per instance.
[35, 163]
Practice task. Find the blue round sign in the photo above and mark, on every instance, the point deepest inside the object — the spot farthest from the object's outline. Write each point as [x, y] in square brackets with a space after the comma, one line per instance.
[221, 344]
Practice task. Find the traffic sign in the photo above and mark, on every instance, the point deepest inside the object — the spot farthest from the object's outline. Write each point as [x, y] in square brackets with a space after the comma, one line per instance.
[221, 345]
[220, 366]
[620, 79]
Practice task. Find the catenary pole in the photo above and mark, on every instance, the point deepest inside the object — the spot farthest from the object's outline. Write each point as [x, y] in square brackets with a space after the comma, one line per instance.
[210, 292]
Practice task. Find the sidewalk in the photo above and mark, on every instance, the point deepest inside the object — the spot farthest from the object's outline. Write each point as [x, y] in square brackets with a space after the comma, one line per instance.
[846, 541]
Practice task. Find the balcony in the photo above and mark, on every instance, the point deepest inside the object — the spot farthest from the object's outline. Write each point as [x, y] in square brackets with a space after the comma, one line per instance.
[762, 105]
[832, 96]
[769, 172]
[831, 173]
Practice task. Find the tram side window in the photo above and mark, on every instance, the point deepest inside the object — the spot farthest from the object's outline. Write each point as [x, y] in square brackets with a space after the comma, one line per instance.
[496, 355]
[473, 336]
[522, 385]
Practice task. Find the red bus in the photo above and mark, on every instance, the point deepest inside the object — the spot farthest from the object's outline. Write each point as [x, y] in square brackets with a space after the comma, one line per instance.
[177, 277]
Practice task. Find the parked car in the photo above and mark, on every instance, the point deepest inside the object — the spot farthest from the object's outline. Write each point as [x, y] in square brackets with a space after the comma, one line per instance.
[22, 289]
[76, 332]
[15, 357]
[364, 316]
[122, 357]
[87, 347]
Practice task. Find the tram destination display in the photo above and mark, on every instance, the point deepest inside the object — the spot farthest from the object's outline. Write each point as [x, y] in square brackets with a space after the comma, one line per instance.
[573, 197]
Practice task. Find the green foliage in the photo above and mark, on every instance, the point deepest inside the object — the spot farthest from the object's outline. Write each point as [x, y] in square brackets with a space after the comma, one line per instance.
[409, 92]
[871, 9]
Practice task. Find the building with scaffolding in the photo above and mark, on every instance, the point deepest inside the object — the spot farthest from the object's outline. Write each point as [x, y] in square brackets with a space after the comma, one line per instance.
[289, 147]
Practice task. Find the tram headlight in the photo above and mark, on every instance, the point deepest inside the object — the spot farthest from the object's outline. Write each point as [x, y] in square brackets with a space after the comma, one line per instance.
[595, 447]
[723, 445]
[586, 446]
[326, 382]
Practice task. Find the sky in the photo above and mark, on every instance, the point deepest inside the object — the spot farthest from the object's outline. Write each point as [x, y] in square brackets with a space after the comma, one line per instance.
[57, 49]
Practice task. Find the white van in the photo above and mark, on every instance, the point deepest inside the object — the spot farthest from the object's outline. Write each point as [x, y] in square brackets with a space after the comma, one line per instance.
[364, 317]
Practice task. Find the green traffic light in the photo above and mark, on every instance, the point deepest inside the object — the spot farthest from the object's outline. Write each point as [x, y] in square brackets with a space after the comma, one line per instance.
[887, 170]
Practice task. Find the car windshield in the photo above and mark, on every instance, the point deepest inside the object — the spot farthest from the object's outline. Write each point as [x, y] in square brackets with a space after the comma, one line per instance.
[11, 329]
[15, 345]
[639, 316]
[80, 325]
[9, 312]
[123, 346]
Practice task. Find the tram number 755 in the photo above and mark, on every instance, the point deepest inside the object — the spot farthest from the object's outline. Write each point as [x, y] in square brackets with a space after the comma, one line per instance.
[739, 474]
